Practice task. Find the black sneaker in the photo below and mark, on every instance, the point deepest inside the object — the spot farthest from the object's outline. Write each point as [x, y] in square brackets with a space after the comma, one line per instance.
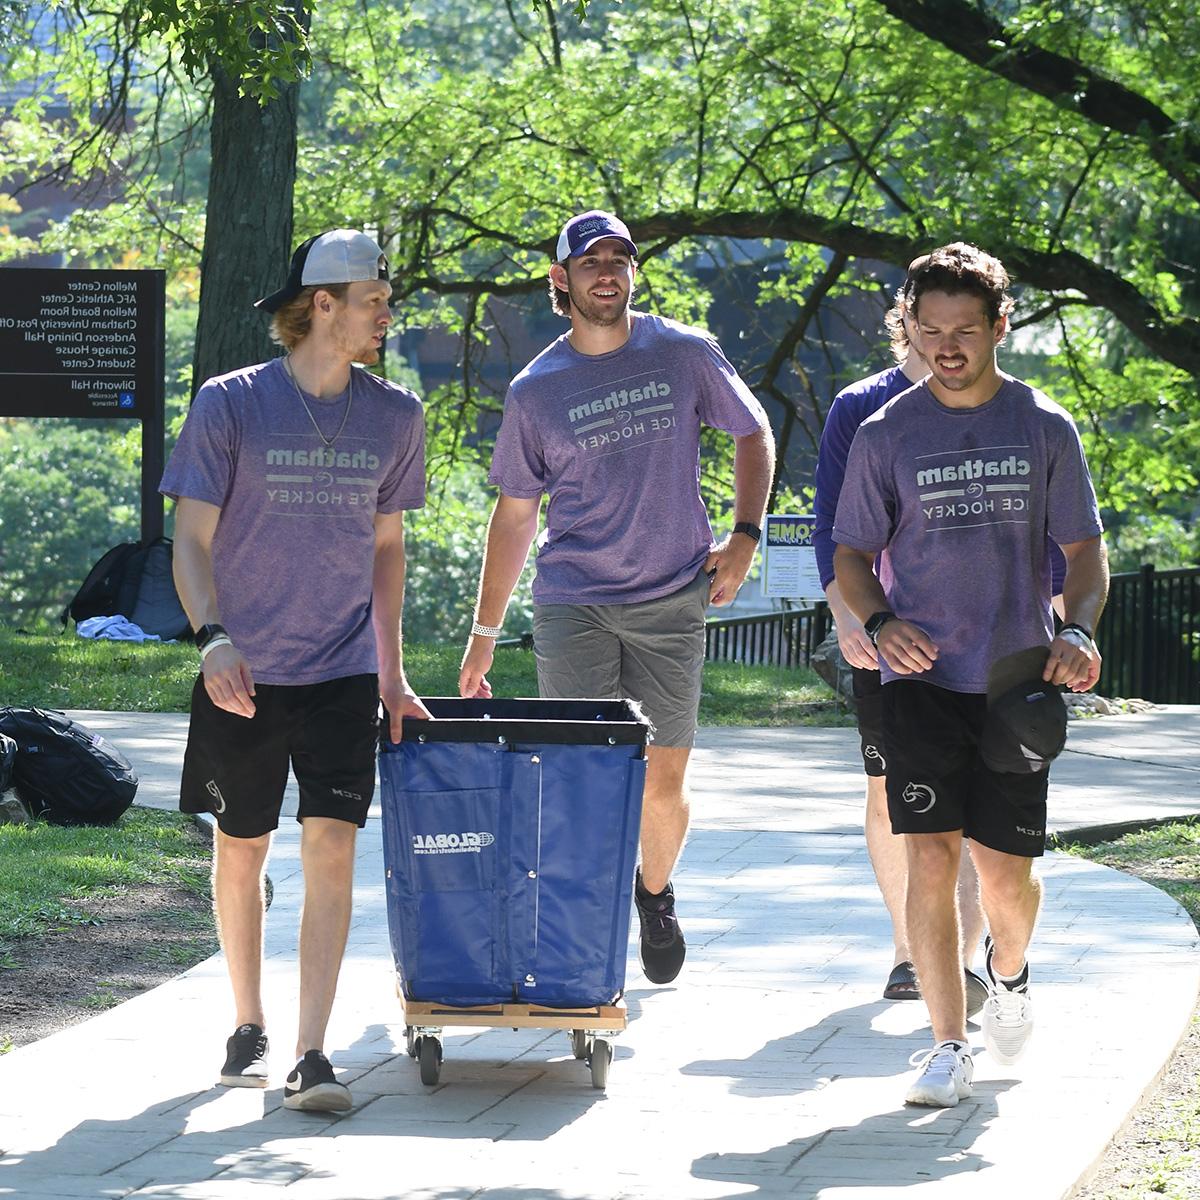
[245, 1058]
[311, 1087]
[661, 949]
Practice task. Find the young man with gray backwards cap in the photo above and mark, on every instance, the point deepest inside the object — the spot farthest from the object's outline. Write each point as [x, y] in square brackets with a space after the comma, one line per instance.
[959, 484]
[606, 422]
[291, 479]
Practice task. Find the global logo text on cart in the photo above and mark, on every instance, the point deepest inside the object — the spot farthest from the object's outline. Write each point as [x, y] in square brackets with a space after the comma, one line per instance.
[451, 843]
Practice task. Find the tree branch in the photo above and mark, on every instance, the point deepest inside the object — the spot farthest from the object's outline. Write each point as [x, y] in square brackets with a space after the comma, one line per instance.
[974, 34]
[1175, 339]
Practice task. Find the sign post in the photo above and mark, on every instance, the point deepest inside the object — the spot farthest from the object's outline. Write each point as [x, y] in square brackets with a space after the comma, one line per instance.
[89, 344]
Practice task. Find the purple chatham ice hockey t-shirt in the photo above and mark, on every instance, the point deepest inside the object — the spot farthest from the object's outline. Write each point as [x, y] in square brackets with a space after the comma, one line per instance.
[294, 549]
[961, 503]
[615, 441]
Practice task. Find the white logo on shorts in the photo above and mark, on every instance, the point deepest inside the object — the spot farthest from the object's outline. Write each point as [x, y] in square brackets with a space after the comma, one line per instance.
[873, 752]
[345, 795]
[920, 793]
[215, 792]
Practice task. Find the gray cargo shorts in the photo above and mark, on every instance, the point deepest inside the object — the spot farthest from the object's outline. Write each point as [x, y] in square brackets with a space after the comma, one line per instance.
[651, 651]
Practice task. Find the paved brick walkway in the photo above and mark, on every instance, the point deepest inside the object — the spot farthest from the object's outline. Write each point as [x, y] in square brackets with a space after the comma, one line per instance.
[772, 1068]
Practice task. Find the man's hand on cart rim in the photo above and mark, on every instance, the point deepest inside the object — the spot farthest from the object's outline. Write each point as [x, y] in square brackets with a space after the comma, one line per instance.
[400, 701]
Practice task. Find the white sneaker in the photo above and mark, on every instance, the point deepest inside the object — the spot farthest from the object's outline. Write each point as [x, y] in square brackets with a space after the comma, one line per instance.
[946, 1075]
[1007, 1024]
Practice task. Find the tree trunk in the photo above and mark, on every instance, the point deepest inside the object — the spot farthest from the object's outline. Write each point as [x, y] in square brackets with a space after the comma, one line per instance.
[248, 230]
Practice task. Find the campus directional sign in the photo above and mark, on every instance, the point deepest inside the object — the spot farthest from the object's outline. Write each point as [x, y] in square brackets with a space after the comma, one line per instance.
[81, 343]
[88, 344]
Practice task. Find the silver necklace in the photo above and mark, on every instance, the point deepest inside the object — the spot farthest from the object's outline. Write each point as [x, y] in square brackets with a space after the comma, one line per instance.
[287, 366]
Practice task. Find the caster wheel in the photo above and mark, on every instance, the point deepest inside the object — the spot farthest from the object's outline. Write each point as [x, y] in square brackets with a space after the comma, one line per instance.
[429, 1056]
[410, 1041]
[599, 1060]
[579, 1043]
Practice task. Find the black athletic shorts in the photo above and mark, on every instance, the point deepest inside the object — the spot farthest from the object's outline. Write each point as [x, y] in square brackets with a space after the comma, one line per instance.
[937, 781]
[868, 706]
[237, 767]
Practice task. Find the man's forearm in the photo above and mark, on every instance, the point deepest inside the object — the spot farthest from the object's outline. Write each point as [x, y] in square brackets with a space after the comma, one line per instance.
[838, 606]
[192, 567]
[856, 581]
[509, 536]
[753, 470]
[387, 607]
[1085, 588]
[191, 561]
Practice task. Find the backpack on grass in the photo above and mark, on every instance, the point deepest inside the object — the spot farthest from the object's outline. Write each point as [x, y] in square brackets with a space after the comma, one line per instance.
[8, 754]
[133, 581]
[64, 772]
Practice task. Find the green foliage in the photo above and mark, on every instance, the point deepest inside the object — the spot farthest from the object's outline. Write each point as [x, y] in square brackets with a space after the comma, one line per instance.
[260, 43]
[67, 493]
[444, 545]
[52, 874]
[742, 142]
[1140, 424]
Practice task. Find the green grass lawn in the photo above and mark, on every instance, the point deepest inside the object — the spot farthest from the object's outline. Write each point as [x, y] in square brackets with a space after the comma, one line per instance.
[1167, 856]
[49, 869]
[66, 671]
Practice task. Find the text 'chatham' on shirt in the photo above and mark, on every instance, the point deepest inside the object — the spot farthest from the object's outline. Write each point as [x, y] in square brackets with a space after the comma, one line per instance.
[614, 439]
[294, 549]
[963, 503]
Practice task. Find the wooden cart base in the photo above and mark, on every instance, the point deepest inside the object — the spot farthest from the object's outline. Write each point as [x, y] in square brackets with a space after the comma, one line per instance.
[424, 1022]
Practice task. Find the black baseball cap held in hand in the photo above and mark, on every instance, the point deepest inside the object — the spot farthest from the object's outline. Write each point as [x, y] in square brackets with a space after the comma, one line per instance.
[1026, 725]
[339, 256]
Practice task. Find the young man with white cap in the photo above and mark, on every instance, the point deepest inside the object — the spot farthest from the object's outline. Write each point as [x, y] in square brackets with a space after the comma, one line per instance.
[291, 479]
[960, 484]
[606, 422]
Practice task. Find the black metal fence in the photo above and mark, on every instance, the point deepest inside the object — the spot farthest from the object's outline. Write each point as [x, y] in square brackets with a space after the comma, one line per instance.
[782, 639]
[1150, 636]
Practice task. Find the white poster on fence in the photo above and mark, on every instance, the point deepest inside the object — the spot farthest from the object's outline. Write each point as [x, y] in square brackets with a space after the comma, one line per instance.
[789, 559]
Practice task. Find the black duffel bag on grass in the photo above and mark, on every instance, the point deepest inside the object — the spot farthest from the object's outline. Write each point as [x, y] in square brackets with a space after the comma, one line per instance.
[8, 755]
[64, 772]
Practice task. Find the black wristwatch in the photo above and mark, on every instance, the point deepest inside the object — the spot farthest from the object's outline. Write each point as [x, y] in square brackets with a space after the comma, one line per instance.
[875, 622]
[749, 529]
[206, 633]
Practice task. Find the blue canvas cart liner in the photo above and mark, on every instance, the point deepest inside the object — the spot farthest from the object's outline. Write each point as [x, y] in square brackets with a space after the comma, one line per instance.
[510, 839]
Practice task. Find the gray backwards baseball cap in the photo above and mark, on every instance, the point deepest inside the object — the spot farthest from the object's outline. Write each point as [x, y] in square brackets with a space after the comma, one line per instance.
[339, 256]
[589, 228]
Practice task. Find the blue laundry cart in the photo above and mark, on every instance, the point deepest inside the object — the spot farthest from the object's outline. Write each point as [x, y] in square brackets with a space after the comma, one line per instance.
[510, 834]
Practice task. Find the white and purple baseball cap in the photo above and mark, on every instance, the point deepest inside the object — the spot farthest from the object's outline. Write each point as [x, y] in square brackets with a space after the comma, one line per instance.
[339, 256]
[589, 228]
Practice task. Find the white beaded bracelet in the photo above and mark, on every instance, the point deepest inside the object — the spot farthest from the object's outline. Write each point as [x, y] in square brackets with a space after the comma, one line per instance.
[478, 630]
